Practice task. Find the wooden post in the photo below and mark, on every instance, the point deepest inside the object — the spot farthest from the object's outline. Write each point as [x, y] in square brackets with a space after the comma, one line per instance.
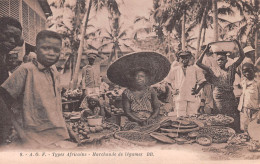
[215, 19]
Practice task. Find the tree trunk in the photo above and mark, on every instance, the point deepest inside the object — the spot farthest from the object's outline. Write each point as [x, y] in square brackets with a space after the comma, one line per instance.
[183, 38]
[215, 19]
[80, 50]
[71, 67]
[116, 51]
[200, 31]
[256, 44]
[204, 36]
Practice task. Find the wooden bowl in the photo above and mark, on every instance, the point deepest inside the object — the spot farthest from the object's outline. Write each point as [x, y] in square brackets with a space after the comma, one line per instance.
[95, 121]
[193, 134]
[204, 140]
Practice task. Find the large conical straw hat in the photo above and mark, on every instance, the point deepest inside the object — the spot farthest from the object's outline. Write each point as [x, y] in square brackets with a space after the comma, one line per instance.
[157, 65]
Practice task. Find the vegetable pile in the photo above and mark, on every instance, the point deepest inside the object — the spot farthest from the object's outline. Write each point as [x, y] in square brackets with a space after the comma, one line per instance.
[217, 133]
[135, 136]
[83, 130]
[216, 120]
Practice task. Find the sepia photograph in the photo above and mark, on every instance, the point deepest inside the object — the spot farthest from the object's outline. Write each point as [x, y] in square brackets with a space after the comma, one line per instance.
[129, 81]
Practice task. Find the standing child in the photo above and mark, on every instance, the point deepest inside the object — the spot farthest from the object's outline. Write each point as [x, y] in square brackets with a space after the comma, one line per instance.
[250, 98]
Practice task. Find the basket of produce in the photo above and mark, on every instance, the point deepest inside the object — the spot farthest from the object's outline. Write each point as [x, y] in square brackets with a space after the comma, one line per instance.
[130, 126]
[135, 137]
[147, 128]
[204, 140]
[89, 134]
[216, 120]
[94, 120]
[162, 137]
[180, 126]
[222, 46]
[218, 134]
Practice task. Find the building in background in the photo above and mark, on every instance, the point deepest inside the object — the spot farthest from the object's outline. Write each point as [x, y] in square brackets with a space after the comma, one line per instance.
[32, 14]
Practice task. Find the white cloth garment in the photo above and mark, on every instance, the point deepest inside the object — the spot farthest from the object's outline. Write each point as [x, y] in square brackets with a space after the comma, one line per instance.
[250, 97]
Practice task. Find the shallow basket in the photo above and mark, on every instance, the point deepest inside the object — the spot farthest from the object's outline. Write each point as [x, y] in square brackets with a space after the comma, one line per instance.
[141, 143]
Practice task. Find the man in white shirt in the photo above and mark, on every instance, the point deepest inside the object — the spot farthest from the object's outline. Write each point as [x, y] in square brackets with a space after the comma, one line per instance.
[91, 74]
[183, 79]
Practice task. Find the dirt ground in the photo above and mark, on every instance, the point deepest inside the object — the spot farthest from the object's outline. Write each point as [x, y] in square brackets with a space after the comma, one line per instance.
[213, 152]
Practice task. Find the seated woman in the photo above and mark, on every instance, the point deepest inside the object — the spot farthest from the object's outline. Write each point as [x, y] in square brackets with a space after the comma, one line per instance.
[140, 101]
[137, 72]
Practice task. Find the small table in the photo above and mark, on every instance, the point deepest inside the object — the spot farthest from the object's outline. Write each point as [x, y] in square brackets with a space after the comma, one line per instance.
[70, 105]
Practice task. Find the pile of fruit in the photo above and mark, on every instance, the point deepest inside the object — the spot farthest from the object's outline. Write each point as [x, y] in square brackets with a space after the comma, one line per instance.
[239, 139]
[216, 120]
[217, 133]
[72, 94]
[83, 130]
[113, 110]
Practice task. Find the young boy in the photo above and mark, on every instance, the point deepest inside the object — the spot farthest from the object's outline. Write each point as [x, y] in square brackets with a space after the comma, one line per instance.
[250, 98]
[36, 87]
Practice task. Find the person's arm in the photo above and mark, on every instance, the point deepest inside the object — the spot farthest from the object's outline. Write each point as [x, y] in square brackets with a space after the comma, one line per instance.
[155, 104]
[127, 110]
[10, 90]
[200, 80]
[199, 61]
[197, 90]
[170, 81]
[241, 55]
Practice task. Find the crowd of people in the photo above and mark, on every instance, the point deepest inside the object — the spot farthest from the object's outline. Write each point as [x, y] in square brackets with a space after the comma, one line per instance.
[30, 93]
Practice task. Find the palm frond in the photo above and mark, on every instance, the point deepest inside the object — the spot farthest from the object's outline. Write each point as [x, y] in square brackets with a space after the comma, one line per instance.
[113, 7]
[127, 46]
[242, 31]
[224, 20]
[141, 18]
[230, 26]
[110, 34]
[225, 10]
[106, 38]
[104, 45]
[122, 34]
[92, 47]
[191, 39]
[189, 46]
[191, 26]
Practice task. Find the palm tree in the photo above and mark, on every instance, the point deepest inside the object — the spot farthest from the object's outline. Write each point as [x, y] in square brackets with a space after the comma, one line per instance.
[203, 10]
[248, 26]
[116, 38]
[82, 12]
[70, 32]
[165, 17]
